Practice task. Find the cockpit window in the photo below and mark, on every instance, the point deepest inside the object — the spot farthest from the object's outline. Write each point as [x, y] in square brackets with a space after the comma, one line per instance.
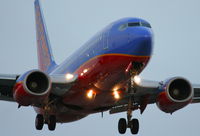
[145, 24]
[134, 24]
[139, 24]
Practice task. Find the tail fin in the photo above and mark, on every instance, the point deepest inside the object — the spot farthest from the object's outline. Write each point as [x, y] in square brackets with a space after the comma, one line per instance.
[45, 57]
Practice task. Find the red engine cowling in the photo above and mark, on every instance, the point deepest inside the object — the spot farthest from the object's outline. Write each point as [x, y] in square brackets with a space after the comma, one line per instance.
[175, 94]
[32, 88]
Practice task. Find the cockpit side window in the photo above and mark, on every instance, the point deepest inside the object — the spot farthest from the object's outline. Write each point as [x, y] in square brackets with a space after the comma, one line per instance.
[145, 24]
[123, 27]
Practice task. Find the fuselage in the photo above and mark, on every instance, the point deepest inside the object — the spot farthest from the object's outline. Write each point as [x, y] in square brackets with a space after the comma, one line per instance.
[101, 65]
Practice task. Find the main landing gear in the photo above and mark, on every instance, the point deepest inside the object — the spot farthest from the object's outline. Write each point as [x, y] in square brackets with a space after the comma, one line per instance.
[50, 121]
[46, 118]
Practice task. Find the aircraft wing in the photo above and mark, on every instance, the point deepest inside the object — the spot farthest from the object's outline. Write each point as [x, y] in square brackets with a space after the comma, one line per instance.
[146, 93]
[62, 83]
[59, 85]
[7, 83]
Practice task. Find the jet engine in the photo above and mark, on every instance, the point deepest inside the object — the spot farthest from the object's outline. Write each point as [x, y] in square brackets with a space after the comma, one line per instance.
[32, 88]
[175, 93]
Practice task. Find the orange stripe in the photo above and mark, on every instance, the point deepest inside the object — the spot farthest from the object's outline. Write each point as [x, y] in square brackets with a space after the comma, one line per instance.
[113, 54]
[116, 54]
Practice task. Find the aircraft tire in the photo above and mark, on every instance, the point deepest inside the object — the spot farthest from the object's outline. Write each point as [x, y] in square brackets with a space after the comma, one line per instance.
[122, 126]
[52, 123]
[39, 122]
[134, 126]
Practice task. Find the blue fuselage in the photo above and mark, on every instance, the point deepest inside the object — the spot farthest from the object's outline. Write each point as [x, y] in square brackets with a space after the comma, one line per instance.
[129, 36]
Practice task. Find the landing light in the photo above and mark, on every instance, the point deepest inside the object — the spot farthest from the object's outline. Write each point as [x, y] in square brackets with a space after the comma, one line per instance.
[91, 94]
[85, 70]
[115, 89]
[69, 76]
[116, 95]
[137, 80]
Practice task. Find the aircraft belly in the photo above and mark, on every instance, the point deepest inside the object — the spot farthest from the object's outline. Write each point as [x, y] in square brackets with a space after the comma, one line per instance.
[100, 74]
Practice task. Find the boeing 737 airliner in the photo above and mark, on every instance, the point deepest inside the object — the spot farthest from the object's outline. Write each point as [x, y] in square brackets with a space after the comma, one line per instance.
[100, 76]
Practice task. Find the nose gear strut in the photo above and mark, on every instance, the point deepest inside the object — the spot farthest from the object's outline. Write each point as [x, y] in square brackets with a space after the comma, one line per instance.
[133, 124]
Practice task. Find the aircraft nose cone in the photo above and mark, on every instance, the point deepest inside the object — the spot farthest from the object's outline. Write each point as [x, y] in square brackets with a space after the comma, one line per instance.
[143, 43]
[144, 47]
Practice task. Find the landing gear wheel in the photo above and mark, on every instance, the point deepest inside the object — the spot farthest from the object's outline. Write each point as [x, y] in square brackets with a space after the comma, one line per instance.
[122, 126]
[134, 126]
[39, 122]
[52, 122]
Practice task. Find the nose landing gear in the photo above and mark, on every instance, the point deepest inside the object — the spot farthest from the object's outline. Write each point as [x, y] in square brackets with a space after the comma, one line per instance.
[133, 124]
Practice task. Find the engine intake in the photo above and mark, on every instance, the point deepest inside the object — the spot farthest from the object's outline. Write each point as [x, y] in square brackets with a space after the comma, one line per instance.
[32, 88]
[37, 83]
[175, 94]
[180, 90]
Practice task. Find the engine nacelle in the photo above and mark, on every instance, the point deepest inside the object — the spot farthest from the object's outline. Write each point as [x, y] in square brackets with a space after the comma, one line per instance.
[32, 88]
[175, 94]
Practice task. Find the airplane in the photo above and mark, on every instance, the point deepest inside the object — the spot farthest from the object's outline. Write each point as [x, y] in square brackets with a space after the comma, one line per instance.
[102, 75]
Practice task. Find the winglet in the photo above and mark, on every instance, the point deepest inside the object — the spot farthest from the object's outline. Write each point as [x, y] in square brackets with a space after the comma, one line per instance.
[46, 61]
